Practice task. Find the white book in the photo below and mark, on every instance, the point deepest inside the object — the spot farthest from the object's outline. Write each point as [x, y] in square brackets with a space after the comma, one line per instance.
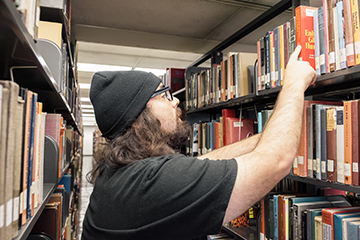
[340, 143]
[336, 38]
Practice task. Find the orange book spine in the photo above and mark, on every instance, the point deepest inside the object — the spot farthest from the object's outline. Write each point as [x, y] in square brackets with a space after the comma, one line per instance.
[347, 143]
[305, 33]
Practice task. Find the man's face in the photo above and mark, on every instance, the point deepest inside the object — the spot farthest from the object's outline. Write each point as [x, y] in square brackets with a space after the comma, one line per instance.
[169, 115]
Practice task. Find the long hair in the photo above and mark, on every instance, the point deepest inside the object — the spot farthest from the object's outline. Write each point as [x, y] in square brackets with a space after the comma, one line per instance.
[143, 140]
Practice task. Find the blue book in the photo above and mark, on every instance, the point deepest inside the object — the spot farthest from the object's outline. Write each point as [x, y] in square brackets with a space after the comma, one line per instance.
[322, 58]
[341, 22]
[338, 222]
[277, 56]
[66, 181]
[30, 188]
[352, 230]
[260, 122]
[310, 222]
[316, 41]
[267, 61]
[276, 219]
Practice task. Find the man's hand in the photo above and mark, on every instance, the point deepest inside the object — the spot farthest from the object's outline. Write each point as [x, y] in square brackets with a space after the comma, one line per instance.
[298, 74]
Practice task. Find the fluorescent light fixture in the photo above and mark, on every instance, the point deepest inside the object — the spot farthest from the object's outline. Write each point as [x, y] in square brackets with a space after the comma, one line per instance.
[90, 67]
[156, 72]
[85, 99]
[84, 85]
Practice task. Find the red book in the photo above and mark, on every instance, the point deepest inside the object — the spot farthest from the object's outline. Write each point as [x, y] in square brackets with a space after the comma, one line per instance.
[233, 127]
[259, 64]
[301, 160]
[225, 114]
[328, 218]
[305, 33]
[355, 141]
[175, 78]
[347, 143]
[217, 133]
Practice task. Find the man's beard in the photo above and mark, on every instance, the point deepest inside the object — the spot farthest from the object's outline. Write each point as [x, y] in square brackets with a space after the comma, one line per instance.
[178, 137]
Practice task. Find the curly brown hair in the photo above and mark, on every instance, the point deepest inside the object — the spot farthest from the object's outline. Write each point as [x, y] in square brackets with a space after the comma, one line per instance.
[144, 139]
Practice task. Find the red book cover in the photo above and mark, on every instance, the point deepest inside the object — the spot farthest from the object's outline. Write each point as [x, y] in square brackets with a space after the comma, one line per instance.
[176, 78]
[233, 126]
[225, 114]
[347, 143]
[217, 143]
[301, 160]
[355, 141]
[305, 33]
[259, 65]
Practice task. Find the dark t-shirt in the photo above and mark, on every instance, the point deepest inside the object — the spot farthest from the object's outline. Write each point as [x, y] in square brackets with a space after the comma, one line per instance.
[163, 198]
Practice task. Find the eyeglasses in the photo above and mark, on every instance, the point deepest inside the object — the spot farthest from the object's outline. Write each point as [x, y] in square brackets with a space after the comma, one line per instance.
[167, 91]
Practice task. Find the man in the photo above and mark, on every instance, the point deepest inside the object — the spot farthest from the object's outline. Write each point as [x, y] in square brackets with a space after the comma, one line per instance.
[144, 190]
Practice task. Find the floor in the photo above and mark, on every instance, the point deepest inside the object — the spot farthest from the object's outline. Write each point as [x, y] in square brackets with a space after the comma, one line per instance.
[85, 191]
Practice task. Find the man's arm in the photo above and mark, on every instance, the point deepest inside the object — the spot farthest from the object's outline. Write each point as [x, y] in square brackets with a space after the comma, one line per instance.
[234, 150]
[272, 158]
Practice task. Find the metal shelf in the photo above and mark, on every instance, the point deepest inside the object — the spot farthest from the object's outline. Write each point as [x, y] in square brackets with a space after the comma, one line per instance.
[245, 233]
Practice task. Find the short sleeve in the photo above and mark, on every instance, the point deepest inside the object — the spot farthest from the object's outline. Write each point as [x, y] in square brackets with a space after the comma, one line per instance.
[187, 195]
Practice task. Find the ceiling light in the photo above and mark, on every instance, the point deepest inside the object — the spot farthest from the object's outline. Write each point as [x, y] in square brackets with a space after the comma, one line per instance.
[85, 99]
[87, 106]
[84, 85]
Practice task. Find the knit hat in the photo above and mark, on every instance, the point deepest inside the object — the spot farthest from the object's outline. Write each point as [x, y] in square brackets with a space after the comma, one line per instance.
[119, 97]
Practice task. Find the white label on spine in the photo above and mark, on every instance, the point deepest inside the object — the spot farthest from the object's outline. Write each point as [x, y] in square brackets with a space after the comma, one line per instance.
[300, 160]
[16, 209]
[317, 62]
[343, 55]
[310, 164]
[322, 59]
[330, 165]
[357, 47]
[347, 169]
[350, 49]
[2, 215]
[295, 164]
[8, 212]
[355, 167]
[323, 166]
[332, 57]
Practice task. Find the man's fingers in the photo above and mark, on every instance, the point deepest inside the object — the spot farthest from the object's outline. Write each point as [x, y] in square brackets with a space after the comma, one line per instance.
[295, 55]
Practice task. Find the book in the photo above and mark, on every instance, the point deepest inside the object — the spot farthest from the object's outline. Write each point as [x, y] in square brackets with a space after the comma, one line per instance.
[310, 142]
[272, 59]
[51, 31]
[310, 222]
[349, 35]
[317, 41]
[328, 219]
[356, 29]
[282, 54]
[286, 27]
[352, 230]
[262, 61]
[258, 52]
[292, 35]
[340, 222]
[48, 221]
[322, 41]
[347, 143]
[326, 33]
[318, 228]
[341, 32]
[336, 38]
[355, 141]
[331, 146]
[226, 113]
[305, 33]
[244, 60]
[231, 74]
[331, 21]
[276, 81]
[175, 78]
[340, 143]
[238, 130]
[267, 60]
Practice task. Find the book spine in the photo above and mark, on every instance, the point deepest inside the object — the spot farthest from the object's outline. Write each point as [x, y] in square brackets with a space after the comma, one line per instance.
[341, 27]
[305, 33]
[276, 81]
[322, 40]
[263, 62]
[286, 43]
[323, 155]
[330, 5]
[267, 61]
[292, 36]
[317, 127]
[276, 218]
[331, 143]
[349, 36]
[340, 143]
[272, 59]
[356, 29]
[317, 41]
[347, 143]
[282, 55]
[309, 122]
[355, 141]
[336, 38]
[326, 34]
[258, 51]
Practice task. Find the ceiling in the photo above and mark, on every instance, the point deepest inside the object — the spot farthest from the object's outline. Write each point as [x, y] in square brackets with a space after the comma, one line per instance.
[159, 34]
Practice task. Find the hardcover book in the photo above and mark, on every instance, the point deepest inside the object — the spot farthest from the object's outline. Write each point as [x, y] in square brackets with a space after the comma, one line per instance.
[331, 147]
[349, 35]
[305, 33]
[331, 20]
[340, 143]
[356, 29]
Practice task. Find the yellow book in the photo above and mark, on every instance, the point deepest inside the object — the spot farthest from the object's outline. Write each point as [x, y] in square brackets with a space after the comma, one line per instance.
[51, 31]
[244, 60]
[282, 54]
[356, 29]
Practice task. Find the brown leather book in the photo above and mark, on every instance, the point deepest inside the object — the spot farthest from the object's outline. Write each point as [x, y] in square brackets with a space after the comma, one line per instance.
[355, 141]
[331, 144]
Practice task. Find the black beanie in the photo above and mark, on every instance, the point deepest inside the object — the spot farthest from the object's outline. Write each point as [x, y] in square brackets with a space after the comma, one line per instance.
[119, 97]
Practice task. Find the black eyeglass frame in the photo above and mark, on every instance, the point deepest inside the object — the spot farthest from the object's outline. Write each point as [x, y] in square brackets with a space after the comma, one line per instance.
[169, 96]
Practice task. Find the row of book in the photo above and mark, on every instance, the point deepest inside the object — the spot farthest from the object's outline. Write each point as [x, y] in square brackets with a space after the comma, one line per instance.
[329, 146]
[23, 129]
[230, 79]
[291, 215]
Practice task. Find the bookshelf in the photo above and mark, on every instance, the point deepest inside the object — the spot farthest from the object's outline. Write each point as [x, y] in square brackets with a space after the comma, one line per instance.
[21, 61]
[339, 85]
